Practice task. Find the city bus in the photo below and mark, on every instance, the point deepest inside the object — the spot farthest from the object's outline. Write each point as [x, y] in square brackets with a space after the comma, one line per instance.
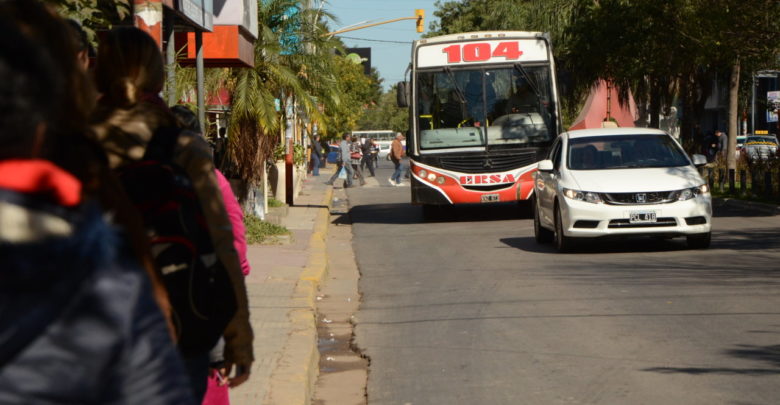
[483, 111]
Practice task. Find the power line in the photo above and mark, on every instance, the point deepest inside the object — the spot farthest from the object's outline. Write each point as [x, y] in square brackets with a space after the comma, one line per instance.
[377, 40]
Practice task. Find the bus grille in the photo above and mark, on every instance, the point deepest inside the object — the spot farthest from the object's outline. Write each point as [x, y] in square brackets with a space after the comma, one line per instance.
[488, 162]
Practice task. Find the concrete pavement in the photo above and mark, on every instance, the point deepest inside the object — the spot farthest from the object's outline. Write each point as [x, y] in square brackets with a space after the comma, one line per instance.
[282, 289]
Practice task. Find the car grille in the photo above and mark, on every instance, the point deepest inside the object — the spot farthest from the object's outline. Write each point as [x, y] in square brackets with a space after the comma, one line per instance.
[493, 162]
[660, 197]
[625, 223]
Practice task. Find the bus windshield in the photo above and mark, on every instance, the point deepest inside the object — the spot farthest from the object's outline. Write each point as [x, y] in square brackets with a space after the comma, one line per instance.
[508, 105]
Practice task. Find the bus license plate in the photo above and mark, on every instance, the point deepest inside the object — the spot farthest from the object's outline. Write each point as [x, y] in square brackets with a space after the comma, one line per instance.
[489, 198]
[642, 217]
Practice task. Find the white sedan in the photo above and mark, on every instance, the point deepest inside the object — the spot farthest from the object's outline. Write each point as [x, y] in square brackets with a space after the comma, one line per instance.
[620, 181]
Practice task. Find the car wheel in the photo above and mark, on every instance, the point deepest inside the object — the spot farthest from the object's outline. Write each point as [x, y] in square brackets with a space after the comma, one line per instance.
[541, 234]
[562, 242]
[699, 241]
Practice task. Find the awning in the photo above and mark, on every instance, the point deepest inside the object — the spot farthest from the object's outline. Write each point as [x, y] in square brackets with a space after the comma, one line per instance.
[594, 112]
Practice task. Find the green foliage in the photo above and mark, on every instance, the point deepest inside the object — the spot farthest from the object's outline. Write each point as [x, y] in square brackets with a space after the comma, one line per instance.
[93, 14]
[258, 231]
[385, 114]
[273, 202]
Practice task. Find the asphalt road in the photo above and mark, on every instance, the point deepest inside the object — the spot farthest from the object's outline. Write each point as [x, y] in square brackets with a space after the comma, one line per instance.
[470, 310]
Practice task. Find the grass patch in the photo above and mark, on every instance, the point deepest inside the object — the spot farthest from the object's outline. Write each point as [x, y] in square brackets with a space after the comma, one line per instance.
[258, 231]
[273, 202]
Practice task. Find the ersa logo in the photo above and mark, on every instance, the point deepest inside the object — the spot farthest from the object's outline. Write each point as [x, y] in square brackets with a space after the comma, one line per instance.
[487, 179]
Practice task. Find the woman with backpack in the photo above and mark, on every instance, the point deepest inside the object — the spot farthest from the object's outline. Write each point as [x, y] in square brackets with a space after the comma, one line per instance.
[129, 116]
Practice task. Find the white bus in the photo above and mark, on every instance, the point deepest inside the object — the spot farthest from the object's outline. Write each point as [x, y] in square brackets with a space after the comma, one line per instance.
[384, 138]
[483, 111]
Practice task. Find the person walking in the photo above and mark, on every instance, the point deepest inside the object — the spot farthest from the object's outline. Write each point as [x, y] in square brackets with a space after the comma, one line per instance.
[343, 162]
[368, 157]
[316, 156]
[80, 324]
[356, 156]
[396, 154]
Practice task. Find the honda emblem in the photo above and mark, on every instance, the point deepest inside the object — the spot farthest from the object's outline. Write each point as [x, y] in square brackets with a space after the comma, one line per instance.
[641, 198]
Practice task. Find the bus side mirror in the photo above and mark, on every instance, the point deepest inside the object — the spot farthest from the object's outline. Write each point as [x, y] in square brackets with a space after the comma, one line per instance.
[402, 94]
[545, 166]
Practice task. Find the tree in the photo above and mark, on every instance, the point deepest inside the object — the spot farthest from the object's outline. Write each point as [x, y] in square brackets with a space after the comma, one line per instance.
[93, 14]
[385, 114]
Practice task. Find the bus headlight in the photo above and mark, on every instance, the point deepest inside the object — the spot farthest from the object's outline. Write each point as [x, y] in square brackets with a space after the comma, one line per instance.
[431, 177]
[423, 173]
[440, 180]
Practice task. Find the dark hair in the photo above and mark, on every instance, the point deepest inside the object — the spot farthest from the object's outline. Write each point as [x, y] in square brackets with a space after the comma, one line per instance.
[129, 66]
[185, 118]
[344, 136]
[29, 91]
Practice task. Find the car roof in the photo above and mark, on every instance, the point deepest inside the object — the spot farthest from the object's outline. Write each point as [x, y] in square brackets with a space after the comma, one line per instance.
[584, 133]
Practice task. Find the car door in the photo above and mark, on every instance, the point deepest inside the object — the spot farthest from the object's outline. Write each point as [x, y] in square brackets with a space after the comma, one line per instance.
[547, 185]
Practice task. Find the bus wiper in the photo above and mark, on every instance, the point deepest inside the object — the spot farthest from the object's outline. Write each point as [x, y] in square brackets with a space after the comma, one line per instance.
[531, 83]
[458, 91]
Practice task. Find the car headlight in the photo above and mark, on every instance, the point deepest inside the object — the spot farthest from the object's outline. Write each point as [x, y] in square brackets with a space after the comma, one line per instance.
[693, 192]
[586, 196]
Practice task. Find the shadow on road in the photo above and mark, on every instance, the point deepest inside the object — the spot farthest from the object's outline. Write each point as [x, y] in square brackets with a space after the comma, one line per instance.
[749, 239]
[769, 355]
[405, 213]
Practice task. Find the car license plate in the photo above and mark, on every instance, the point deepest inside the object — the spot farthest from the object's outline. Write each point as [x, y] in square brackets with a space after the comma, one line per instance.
[489, 198]
[642, 217]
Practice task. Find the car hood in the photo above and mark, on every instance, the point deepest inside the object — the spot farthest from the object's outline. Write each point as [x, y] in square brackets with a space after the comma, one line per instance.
[637, 180]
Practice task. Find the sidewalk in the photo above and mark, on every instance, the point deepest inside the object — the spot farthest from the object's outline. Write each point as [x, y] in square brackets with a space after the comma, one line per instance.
[282, 290]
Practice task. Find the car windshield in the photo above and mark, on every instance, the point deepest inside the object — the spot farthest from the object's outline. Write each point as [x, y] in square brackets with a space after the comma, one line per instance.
[624, 151]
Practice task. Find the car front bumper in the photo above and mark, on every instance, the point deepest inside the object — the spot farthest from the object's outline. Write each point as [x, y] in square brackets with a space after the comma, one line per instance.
[588, 220]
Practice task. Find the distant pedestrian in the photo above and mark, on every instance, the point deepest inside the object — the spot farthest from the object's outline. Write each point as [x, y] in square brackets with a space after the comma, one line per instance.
[717, 145]
[356, 157]
[343, 162]
[316, 155]
[396, 154]
[368, 157]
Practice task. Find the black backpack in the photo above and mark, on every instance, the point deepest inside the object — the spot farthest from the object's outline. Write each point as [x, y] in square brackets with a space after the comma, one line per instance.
[199, 288]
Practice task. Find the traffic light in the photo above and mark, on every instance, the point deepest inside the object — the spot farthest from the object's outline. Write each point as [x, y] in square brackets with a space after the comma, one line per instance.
[420, 13]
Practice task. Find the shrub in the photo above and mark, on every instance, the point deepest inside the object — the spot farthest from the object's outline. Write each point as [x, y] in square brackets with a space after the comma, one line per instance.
[273, 202]
[258, 231]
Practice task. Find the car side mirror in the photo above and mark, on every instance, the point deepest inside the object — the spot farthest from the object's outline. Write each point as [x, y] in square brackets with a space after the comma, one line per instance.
[545, 166]
[699, 160]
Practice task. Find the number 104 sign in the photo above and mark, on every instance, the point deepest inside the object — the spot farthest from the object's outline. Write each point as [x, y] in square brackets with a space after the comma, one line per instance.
[481, 51]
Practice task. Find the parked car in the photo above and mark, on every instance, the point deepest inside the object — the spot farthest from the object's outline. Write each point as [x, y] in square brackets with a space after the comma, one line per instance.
[760, 146]
[741, 143]
[333, 153]
[617, 182]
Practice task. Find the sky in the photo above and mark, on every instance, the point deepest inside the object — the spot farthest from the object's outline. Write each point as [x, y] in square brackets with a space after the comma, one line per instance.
[389, 58]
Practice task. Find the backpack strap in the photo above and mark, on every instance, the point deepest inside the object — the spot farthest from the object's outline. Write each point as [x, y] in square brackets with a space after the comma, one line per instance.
[163, 144]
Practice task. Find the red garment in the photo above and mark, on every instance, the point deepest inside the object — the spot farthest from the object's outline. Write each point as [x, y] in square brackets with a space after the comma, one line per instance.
[236, 217]
[216, 394]
[35, 176]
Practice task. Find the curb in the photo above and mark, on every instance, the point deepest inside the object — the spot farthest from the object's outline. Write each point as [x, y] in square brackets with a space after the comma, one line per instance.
[756, 206]
[293, 380]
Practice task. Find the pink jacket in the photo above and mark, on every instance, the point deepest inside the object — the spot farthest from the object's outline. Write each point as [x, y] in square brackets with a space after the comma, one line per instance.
[236, 217]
